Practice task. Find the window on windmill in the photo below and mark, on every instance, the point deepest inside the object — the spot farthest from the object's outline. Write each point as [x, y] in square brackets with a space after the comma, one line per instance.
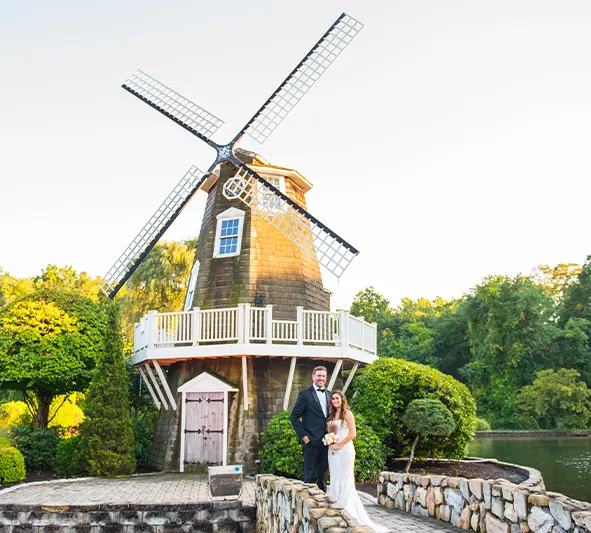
[229, 236]
[268, 198]
[191, 287]
[229, 233]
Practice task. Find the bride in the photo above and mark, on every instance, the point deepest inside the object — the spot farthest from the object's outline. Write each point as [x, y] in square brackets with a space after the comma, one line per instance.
[341, 460]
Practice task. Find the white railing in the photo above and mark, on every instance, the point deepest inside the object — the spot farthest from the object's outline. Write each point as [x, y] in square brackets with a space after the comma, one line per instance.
[246, 324]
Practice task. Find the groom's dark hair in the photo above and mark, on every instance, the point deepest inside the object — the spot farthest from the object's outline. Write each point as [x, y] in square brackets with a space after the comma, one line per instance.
[319, 369]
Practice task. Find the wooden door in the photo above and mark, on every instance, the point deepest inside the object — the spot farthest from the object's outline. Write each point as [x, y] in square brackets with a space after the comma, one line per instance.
[204, 428]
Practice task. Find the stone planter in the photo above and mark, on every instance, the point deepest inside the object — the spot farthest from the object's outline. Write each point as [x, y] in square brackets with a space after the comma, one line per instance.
[489, 506]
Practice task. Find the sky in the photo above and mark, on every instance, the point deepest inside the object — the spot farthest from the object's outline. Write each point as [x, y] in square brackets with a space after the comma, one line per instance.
[449, 142]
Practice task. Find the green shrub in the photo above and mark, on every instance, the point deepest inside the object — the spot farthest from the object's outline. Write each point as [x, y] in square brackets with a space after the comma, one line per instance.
[143, 434]
[68, 458]
[426, 417]
[481, 424]
[107, 437]
[385, 388]
[12, 465]
[38, 446]
[370, 453]
[281, 453]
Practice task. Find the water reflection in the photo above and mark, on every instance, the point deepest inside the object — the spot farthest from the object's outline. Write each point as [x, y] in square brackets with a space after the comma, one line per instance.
[565, 462]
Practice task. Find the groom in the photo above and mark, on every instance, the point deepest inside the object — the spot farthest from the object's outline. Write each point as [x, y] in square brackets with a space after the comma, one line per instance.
[308, 418]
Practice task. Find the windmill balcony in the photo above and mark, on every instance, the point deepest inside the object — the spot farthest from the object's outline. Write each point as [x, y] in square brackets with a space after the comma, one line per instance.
[246, 330]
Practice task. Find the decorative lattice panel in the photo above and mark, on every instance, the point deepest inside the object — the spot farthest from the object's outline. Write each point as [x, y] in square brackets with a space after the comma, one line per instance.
[313, 237]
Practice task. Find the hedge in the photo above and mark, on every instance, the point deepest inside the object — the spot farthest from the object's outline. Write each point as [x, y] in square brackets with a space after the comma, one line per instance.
[12, 465]
[384, 389]
[281, 453]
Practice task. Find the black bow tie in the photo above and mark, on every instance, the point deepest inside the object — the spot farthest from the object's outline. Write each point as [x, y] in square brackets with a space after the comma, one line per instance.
[321, 390]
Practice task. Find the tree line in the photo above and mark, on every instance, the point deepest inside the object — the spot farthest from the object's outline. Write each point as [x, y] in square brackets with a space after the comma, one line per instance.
[520, 343]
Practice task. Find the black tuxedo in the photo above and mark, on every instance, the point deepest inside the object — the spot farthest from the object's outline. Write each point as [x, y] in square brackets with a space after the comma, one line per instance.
[308, 420]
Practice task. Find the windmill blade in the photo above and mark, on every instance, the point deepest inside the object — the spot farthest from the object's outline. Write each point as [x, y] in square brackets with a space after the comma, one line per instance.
[301, 79]
[171, 104]
[299, 226]
[147, 238]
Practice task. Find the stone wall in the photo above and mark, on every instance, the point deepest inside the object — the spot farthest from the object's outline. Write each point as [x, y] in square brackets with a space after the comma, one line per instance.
[206, 517]
[487, 506]
[292, 506]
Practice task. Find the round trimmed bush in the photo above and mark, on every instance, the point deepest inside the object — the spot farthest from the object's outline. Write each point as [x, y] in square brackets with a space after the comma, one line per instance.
[12, 465]
[384, 389]
[281, 454]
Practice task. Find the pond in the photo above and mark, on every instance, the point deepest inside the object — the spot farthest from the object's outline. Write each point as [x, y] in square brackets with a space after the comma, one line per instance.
[565, 462]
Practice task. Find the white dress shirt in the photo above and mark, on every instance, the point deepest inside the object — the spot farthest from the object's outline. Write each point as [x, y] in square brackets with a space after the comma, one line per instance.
[322, 399]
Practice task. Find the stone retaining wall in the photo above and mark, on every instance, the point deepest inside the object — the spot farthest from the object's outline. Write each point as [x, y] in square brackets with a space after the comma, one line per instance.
[292, 506]
[487, 506]
[206, 517]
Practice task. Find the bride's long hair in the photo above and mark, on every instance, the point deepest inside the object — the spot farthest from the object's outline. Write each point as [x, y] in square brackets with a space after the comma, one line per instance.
[331, 408]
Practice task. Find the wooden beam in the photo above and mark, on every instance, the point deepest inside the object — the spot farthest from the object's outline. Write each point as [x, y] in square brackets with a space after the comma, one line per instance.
[165, 385]
[335, 374]
[183, 425]
[289, 383]
[350, 378]
[245, 382]
[156, 386]
[150, 389]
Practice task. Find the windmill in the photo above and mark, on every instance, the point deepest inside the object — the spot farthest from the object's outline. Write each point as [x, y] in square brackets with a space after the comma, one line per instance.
[306, 231]
[257, 318]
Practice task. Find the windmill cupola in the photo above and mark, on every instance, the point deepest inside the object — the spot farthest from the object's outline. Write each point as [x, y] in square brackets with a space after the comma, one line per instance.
[256, 318]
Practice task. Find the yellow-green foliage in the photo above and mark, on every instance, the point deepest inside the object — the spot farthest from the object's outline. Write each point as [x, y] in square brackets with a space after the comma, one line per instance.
[12, 465]
[69, 414]
[11, 413]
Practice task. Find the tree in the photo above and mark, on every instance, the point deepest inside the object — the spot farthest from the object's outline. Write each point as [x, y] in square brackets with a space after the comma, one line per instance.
[159, 283]
[427, 417]
[107, 436]
[556, 279]
[370, 305]
[557, 400]
[509, 332]
[576, 302]
[384, 389]
[49, 343]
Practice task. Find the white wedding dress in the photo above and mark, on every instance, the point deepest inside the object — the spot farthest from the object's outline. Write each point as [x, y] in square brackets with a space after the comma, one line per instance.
[342, 479]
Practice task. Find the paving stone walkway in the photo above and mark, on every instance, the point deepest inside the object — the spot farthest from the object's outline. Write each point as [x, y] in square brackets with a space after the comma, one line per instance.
[174, 488]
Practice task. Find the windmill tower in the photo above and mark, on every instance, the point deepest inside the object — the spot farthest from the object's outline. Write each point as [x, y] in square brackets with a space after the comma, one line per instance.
[257, 318]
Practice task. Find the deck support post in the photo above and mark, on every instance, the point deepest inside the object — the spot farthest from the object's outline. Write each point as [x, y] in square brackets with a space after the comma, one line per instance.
[292, 365]
[350, 378]
[245, 382]
[183, 425]
[335, 374]
[156, 386]
[150, 388]
[165, 385]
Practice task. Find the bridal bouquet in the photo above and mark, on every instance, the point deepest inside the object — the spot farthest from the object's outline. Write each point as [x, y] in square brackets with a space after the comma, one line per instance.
[329, 438]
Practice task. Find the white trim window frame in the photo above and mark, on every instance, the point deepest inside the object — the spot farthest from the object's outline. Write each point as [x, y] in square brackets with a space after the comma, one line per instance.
[269, 199]
[228, 233]
[191, 286]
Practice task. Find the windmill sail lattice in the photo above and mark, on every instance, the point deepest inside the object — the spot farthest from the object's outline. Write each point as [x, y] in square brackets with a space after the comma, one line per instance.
[297, 224]
[152, 231]
[302, 78]
[171, 104]
[313, 237]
